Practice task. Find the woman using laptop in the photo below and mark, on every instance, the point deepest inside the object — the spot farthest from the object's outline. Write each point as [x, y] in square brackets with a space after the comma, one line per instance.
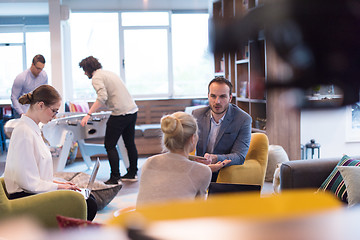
[29, 167]
[172, 175]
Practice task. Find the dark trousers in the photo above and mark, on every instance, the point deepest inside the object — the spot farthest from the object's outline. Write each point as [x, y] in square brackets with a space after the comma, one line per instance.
[214, 176]
[116, 126]
[90, 203]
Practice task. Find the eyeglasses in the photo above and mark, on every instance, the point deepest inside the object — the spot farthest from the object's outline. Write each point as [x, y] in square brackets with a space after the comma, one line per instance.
[55, 111]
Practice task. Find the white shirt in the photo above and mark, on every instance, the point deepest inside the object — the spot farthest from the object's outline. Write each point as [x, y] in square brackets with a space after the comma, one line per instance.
[214, 131]
[112, 92]
[29, 165]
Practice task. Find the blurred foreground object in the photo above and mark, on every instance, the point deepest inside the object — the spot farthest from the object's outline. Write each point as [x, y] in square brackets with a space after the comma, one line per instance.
[19, 228]
[318, 42]
[300, 214]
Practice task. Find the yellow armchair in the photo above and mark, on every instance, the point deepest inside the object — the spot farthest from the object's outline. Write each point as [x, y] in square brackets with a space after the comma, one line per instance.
[43, 207]
[253, 170]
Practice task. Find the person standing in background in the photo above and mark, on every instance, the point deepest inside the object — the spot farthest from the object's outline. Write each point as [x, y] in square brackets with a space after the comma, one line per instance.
[26, 82]
[111, 91]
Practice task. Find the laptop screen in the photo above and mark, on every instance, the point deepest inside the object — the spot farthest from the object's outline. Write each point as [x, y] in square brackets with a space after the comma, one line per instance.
[93, 174]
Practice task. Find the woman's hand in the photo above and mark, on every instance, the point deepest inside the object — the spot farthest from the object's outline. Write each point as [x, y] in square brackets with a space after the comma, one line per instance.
[217, 166]
[205, 161]
[68, 186]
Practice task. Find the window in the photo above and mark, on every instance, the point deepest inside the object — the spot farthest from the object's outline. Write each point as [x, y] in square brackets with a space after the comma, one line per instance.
[39, 43]
[144, 19]
[10, 67]
[146, 55]
[158, 54]
[193, 63]
[93, 34]
[353, 123]
[20, 45]
[146, 62]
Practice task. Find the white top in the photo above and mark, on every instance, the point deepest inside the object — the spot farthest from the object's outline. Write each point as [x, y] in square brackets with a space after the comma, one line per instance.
[171, 176]
[29, 165]
[112, 92]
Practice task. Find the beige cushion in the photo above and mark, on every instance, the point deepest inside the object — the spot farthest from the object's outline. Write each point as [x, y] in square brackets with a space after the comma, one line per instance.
[138, 131]
[151, 130]
[276, 181]
[276, 155]
[351, 176]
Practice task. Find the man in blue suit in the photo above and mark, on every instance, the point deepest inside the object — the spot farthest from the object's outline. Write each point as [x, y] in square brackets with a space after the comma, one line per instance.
[224, 128]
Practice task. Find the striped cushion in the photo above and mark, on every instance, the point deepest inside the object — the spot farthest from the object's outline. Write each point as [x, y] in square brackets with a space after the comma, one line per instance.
[335, 183]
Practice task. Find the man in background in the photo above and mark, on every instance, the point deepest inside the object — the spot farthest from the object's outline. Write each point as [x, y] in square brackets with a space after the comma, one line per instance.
[26, 82]
[111, 92]
[224, 128]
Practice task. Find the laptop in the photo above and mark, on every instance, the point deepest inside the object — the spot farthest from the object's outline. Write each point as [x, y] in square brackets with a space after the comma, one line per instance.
[86, 191]
[218, 188]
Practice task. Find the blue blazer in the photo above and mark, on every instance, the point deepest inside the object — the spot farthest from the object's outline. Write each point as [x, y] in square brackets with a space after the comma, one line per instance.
[234, 136]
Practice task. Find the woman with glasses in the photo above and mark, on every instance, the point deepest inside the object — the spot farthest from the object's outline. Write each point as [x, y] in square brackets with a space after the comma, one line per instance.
[29, 165]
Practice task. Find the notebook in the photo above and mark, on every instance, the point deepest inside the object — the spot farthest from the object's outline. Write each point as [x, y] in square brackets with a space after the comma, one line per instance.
[86, 191]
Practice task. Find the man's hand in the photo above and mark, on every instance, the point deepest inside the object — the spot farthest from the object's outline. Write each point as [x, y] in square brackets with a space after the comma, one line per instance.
[217, 166]
[207, 159]
[85, 120]
[212, 157]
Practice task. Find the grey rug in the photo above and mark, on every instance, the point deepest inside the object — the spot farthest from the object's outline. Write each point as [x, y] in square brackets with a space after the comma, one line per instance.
[2, 168]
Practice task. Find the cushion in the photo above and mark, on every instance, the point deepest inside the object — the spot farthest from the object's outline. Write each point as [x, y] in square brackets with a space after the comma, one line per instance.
[138, 131]
[276, 155]
[276, 181]
[103, 193]
[68, 222]
[335, 182]
[351, 176]
[151, 130]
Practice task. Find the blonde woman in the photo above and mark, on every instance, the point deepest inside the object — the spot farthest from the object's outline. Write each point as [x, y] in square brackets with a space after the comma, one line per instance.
[29, 166]
[172, 175]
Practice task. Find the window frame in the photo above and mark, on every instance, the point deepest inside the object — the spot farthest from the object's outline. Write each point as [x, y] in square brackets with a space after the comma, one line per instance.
[23, 25]
[122, 28]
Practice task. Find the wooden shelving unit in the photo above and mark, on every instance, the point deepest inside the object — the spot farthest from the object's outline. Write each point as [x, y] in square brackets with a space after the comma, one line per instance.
[247, 69]
[244, 68]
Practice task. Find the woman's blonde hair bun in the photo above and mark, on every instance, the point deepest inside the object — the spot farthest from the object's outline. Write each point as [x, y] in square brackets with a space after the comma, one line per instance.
[177, 130]
[171, 125]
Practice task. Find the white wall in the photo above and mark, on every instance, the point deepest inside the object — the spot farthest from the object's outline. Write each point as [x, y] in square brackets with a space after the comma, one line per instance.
[328, 127]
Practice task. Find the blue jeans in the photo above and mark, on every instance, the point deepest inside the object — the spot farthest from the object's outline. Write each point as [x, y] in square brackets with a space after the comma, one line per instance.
[116, 126]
